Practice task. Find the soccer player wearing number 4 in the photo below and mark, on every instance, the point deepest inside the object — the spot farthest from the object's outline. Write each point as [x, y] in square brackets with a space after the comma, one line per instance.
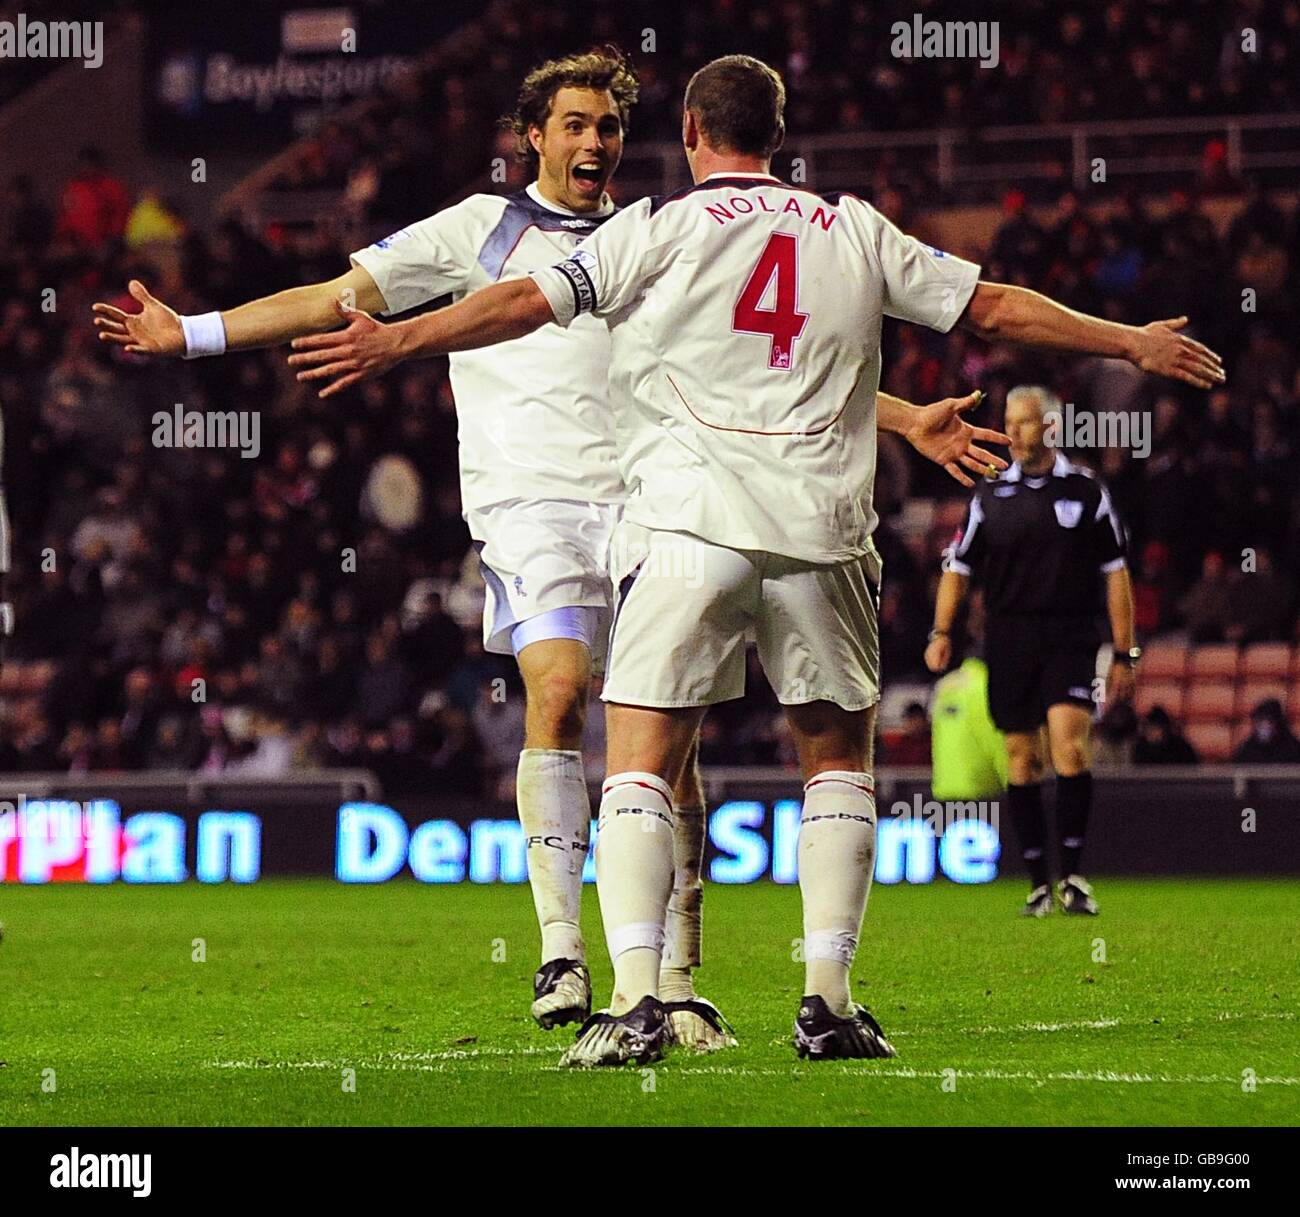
[540, 485]
[745, 316]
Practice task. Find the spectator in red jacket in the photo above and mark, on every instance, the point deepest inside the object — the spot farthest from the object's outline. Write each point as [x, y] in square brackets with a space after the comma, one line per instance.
[95, 204]
[1151, 589]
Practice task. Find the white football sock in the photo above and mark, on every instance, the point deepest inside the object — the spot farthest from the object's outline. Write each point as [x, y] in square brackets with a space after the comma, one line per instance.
[682, 926]
[837, 853]
[634, 877]
[555, 811]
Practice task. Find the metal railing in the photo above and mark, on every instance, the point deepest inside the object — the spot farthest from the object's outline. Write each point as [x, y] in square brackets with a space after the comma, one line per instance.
[1060, 153]
[962, 163]
[361, 784]
[1243, 779]
[192, 786]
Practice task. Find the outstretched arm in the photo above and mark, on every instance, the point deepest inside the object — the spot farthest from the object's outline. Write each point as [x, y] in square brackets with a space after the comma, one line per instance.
[367, 348]
[999, 312]
[157, 329]
[940, 434]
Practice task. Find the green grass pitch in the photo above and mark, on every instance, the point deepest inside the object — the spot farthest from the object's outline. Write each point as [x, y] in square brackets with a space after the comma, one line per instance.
[1178, 1005]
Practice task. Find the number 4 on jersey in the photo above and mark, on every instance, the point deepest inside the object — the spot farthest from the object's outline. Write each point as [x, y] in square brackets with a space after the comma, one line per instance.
[783, 323]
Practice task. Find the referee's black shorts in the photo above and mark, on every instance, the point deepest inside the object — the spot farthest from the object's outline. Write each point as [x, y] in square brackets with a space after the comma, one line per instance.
[1036, 662]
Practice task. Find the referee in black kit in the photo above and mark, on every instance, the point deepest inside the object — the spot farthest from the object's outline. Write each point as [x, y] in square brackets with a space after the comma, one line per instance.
[1044, 541]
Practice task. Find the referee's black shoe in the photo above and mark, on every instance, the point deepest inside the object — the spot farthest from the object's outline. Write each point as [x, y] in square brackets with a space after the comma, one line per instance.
[1038, 903]
[820, 1035]
[1075, 894]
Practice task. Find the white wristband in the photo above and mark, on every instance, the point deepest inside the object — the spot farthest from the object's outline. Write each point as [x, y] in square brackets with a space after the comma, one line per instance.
[204, 335]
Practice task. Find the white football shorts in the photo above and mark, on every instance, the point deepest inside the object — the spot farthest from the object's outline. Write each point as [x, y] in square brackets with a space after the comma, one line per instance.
[686, 609]
[539, 557]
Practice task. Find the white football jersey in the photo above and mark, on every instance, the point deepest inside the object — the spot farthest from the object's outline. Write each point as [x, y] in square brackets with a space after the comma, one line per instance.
[745, 316]
[533, 413]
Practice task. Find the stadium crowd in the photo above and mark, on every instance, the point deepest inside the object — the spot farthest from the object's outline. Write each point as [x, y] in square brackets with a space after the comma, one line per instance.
[187, 608]
[1056, 63]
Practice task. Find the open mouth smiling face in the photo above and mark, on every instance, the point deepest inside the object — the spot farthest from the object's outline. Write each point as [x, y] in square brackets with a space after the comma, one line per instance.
[580, 147]
[588, 177]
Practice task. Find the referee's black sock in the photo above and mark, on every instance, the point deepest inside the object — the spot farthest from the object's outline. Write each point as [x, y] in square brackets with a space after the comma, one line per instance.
[1073, 803]
[1026, 806]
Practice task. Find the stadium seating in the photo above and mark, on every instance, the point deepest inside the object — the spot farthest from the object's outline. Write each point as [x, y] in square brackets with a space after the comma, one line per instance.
[1165, 661]
[1152, 693]
[1267, 661]
[1251, 692]
[1213, 688]
[1209, 702]
[1214, 662]
[1212, 741]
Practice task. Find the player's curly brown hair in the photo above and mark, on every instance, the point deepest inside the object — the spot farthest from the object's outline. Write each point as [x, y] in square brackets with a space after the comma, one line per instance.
[603, 67]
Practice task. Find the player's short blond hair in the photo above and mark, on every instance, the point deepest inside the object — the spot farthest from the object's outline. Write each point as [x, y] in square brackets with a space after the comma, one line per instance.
[602, 68]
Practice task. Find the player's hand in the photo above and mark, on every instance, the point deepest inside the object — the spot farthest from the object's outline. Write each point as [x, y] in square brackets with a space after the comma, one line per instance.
[365, 349]
[938, 653]
[154, 330]
[941, 434]
[1163, 351]
[1121, 680]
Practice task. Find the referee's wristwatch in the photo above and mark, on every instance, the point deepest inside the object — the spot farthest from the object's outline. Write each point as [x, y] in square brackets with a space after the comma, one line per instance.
[1128, 658]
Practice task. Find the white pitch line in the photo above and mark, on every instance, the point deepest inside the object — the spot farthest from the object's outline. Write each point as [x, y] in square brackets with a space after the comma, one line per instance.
[875, 1073]
[1099, 1024]
[273, 1065]
[1285, 1015]
[303, 1066]
[1005, 1075]
[869, 1073]
[438, 1062]
[456, 1054]
[1083, 1024]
